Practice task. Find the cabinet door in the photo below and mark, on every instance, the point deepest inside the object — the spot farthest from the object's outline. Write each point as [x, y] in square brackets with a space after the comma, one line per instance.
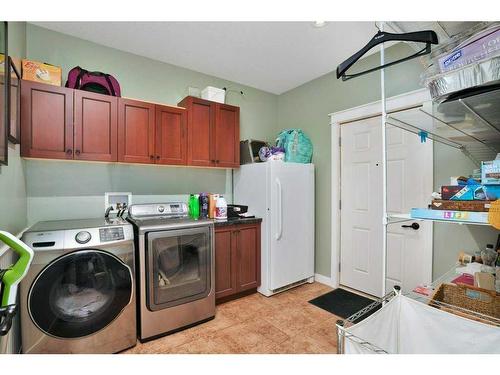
[96, 123]
[136, 131]
[171, 139]
[46, 121]
[225, 263]
[248, 257]
[227, 136]
[201, 115]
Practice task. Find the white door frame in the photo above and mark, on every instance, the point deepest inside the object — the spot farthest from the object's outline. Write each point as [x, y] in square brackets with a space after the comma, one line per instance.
[399, 102]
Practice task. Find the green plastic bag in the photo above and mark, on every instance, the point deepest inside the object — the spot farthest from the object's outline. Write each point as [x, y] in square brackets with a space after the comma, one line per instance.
[298, 147]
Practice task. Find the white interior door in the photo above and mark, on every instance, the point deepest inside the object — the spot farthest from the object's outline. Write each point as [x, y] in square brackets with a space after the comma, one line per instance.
[292, 223]
[409, 181]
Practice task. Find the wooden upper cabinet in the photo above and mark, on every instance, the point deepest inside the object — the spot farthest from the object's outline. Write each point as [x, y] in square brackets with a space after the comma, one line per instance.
[201, 116]
[248, 257]
[227, 136]
[96, 126]
[136, 131]
[213, 133]
[171, 135]
[62, 123]
[46, 121]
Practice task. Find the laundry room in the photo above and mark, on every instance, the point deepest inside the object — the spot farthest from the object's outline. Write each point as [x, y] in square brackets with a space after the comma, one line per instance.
[212, 184]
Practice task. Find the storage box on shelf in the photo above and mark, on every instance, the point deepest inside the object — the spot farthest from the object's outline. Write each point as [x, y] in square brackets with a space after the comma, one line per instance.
[41, 72]
[471, 192]
[62, 123]
[478, 206]
[490, 172]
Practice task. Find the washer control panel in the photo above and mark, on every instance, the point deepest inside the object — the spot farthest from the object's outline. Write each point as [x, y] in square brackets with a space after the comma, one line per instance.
[111, 234]
[83, 237]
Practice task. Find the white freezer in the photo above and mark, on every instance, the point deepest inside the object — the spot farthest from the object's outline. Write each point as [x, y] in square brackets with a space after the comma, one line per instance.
[282, 194]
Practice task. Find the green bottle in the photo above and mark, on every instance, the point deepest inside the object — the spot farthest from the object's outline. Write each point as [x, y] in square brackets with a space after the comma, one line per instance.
[194, 206]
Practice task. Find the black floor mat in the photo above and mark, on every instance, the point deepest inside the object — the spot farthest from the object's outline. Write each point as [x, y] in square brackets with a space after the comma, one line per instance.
[342, 303]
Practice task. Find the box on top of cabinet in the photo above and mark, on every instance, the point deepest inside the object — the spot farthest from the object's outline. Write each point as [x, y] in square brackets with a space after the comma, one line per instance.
[41, 72]
[490, 172]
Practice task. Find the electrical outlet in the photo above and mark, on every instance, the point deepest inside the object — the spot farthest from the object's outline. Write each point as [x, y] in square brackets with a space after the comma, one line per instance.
[117, 201]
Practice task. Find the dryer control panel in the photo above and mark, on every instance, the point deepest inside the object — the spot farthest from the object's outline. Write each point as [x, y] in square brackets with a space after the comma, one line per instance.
[111, 234]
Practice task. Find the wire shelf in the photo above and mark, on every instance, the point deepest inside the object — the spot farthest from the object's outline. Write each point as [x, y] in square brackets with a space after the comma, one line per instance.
[471, 124]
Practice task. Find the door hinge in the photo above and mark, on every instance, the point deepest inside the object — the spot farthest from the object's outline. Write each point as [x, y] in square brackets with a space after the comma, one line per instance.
[340, 204]
[339, 266]
[340, 142]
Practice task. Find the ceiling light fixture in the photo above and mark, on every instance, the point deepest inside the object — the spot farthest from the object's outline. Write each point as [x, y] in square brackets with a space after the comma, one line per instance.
[319, 24]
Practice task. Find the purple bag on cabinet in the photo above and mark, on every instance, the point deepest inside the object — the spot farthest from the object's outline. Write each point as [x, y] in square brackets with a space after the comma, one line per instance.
[98, 82]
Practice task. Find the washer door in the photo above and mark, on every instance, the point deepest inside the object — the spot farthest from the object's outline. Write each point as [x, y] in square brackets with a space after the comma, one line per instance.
[80, 293]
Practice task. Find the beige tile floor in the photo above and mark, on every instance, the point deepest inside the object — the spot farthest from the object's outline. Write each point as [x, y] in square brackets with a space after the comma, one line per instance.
[285, 323]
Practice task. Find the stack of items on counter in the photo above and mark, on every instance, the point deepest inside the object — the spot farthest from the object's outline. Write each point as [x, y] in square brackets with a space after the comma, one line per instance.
[207, 206]
[475, 285]
[466, 199]
[214, 206]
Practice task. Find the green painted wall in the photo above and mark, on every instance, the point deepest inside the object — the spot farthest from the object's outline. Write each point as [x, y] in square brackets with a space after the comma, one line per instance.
[308, 106]
[145, 79]
[12, 177]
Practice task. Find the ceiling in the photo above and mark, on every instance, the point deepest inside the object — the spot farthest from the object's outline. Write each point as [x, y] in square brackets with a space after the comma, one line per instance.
[271, 56]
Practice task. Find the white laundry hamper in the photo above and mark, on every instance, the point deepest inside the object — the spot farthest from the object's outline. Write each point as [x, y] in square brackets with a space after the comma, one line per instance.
[406, 326]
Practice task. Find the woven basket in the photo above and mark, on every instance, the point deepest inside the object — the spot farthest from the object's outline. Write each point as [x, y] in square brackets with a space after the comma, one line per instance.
[467, 297]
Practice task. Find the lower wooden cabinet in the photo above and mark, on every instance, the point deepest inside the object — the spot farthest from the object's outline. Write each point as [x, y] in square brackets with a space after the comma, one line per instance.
[237, 259]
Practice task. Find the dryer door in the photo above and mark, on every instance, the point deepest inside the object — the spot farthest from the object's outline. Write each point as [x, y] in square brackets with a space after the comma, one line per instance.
[80, 293]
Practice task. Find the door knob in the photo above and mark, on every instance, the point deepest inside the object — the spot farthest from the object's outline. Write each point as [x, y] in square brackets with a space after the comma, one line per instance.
[69, 151]
[414, 226]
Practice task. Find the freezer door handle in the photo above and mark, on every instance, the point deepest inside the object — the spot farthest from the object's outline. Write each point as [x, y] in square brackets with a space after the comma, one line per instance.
[280, 210]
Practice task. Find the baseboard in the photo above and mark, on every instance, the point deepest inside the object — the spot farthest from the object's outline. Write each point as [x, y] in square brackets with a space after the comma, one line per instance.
[323, 279]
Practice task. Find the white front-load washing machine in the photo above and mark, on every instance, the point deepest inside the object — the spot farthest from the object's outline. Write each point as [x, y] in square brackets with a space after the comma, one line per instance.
[79, 293]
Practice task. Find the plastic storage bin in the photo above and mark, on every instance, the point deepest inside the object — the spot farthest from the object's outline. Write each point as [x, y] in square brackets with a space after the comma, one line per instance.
[214, 94]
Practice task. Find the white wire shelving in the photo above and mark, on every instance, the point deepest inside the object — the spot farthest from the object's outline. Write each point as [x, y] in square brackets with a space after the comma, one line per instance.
[471, 125]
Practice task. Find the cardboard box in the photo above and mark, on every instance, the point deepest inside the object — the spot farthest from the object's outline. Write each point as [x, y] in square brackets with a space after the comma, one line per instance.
[477, 206]
[471, 192]
[490, 172]
[41, 72]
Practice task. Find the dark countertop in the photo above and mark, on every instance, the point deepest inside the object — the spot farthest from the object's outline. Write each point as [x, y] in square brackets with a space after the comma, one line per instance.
[225, 223]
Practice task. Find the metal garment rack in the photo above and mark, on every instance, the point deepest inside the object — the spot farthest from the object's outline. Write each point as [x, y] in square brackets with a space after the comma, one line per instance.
[471, 125]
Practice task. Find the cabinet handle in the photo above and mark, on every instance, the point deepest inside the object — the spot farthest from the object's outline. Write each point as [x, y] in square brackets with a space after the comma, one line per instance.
[217, 161]
[69, 151]
[77, 152]
[151, 156]
[157, 157]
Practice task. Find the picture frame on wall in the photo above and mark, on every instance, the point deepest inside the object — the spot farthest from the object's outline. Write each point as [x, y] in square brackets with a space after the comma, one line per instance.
[14, 134]
[4, 95]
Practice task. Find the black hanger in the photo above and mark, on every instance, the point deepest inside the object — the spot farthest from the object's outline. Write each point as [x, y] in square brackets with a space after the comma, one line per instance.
[427, 36]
